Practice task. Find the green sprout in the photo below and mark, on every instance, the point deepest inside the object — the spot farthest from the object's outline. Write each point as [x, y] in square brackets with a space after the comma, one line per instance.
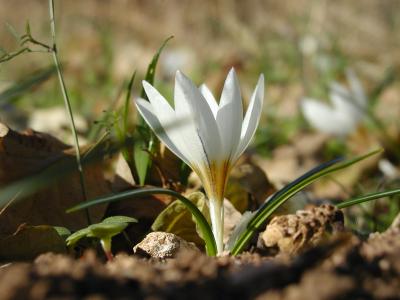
[104, 231]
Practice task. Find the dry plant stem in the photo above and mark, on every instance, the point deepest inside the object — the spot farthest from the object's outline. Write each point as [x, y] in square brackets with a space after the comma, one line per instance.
[67, 104]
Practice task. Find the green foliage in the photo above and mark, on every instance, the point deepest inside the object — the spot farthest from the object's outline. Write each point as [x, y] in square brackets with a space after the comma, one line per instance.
[144, 148]
[253, 221]
[29, 82]
[204, 227]
[176, 219]
[62, 231]
[104, 231]
[288, 191]
[366, 198]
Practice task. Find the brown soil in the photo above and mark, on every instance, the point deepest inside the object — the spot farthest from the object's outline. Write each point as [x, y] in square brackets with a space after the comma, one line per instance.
[343, 268]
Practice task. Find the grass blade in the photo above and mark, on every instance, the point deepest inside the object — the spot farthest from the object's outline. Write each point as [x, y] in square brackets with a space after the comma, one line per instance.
[26, 84]
[288, 191]
[366, 198]
[151, 69]
[200, 219]
[126, 104]
[142, 156]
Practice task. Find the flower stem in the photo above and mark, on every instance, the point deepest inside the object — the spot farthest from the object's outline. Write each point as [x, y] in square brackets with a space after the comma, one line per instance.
[106, 245]
[217, 222]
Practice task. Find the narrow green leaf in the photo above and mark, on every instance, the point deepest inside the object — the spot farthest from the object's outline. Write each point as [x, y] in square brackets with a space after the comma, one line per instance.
[201, 221]
[126, 104]
[366, 198]
[142, 157]
[12, 31]
[151, 69]
[29, 82]
[27, 28]
[288, 191]
[387, 80]
[142, 161]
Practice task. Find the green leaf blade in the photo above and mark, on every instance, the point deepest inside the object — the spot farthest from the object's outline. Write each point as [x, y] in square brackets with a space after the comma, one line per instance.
[288, 191]
[201, 221]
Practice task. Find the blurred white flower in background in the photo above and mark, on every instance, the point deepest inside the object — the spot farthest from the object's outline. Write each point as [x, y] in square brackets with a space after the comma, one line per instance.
[176, 59]
[308, 45]
[347, 109]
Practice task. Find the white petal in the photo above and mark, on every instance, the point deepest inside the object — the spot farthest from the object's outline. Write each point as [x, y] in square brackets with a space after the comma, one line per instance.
[357, 89]
[165, 132]
[341, 93]
[344, 104]
[167, 118]
[252, 117]
[230, 115]
[188, 97]
[327, 119]
[205, 91]
[160, 105]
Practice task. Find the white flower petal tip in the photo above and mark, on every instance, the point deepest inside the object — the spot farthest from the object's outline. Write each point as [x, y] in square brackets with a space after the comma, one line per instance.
[346, 112]
[252, 117]
[212, 103]
[215, 136]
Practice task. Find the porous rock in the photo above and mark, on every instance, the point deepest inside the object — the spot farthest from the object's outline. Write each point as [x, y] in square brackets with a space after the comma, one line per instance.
[292, 233]
[163, 245]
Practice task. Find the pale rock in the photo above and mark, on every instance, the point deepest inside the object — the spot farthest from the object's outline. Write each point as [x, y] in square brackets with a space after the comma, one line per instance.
[163, 245]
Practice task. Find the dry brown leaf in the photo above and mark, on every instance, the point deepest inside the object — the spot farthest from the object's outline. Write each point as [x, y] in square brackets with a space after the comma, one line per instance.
[248, 185]
[30, 241]
[27, 153]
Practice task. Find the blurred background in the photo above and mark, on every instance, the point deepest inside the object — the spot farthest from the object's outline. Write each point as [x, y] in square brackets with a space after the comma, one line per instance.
[300, 46]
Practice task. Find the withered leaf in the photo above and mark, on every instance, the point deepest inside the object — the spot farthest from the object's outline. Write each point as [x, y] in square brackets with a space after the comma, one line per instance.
[30, 241]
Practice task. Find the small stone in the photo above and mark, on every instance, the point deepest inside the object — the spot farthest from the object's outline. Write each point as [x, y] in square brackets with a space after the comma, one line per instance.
[163, 245]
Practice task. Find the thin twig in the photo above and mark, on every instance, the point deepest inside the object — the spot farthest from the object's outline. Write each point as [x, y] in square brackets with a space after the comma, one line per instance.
[67, 104]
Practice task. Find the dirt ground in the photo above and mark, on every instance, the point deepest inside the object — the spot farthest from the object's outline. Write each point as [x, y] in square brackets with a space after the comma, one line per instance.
[342, 268]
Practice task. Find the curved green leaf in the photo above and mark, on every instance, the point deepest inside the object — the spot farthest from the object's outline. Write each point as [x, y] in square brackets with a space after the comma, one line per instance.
[119, 219]
[141, 150]
[366, 198]
[204, 227]
[288, 191]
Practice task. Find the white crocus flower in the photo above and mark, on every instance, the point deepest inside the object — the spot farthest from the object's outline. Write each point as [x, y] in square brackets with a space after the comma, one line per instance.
[213, 135]
[347, 110]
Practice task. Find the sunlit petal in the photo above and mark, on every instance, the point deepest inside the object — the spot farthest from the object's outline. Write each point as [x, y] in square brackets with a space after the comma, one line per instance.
[206, 125]
[165, 132]
[230, 115]
[252, 117]
[207, 94]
